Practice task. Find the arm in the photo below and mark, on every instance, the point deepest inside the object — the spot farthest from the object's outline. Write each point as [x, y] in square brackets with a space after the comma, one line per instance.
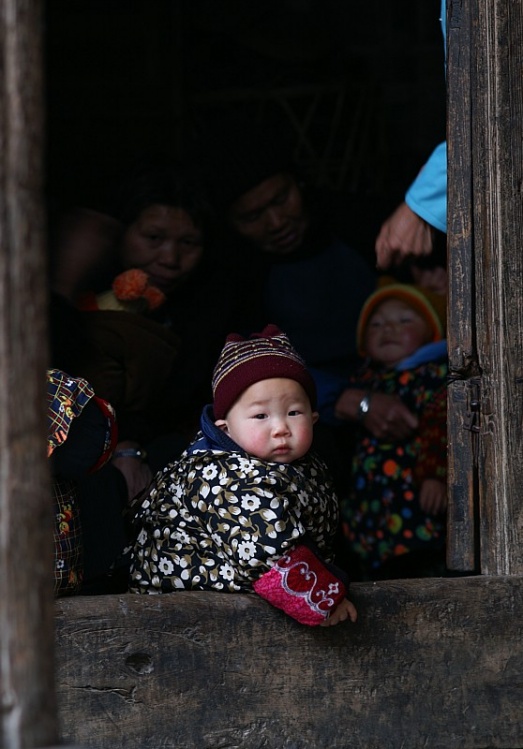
[133, 467]
[302, 586]
[427, 196]
[403, 234]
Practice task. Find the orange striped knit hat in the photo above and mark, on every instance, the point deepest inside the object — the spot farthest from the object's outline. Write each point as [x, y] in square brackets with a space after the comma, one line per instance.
[431, 306]
[244, 361]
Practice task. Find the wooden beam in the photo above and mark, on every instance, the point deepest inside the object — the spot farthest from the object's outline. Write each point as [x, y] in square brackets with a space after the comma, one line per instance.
[28, 715]
[430, 663]
[485, 137]
[497, 174]
[463, 421]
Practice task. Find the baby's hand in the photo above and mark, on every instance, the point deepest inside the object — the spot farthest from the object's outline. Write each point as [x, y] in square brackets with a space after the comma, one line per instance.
[343, 611]
[433, 496]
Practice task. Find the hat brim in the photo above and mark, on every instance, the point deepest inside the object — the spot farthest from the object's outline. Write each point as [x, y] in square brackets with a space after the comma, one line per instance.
[408, 294]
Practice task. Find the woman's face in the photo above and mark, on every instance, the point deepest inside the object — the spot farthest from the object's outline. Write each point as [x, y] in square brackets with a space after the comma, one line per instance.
[165, 243]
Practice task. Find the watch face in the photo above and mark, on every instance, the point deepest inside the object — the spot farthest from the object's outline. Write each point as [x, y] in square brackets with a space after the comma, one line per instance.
[364, 406]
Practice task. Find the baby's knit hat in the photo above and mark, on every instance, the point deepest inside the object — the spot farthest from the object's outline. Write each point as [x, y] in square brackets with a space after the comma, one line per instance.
[432, 307]
[244, 361]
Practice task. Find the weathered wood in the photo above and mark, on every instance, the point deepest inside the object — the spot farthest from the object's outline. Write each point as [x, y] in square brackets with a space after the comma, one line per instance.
[497, 171]
[463, 366]
[28, 715]
[434, 664]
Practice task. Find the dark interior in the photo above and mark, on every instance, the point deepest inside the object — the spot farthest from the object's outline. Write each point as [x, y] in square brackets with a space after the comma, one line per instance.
[361, 86]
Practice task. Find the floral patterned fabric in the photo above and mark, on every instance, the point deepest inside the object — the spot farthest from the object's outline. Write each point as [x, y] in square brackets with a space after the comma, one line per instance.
[382, 517]
[218, 518]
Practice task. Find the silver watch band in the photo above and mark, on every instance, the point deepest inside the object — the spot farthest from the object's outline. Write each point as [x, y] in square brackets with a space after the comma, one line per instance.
[363, 408]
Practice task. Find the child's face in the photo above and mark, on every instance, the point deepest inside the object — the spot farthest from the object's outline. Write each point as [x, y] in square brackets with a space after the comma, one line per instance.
[272, 420]
[395, 330]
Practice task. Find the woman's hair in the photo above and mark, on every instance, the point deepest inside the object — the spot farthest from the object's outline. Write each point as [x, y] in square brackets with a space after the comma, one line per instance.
[160, 182]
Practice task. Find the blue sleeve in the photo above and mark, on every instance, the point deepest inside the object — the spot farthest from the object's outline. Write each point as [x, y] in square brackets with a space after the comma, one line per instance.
[443, 21]
[427, 196]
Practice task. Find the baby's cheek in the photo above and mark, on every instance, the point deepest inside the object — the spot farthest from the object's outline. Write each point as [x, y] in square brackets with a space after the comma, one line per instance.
[305, 436]
[258, 442]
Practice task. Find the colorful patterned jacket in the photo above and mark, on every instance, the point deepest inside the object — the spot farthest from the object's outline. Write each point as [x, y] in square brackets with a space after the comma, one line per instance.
[382, 517]
[220, 519]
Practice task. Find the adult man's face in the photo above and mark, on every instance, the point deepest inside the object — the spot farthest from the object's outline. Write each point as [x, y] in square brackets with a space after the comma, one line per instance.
[272, 215]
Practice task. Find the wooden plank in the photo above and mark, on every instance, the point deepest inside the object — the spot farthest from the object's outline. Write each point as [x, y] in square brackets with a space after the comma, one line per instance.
[28, 714]
[497, 170]
[461, 329]
[434, 663]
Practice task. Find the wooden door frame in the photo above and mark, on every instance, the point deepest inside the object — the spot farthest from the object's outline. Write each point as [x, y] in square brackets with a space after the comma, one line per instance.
[474, 618]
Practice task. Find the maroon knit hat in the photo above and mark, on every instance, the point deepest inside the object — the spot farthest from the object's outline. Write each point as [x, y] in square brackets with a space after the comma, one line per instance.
[244, 361]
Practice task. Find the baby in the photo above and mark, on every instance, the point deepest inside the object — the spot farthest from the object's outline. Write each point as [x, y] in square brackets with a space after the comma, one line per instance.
[248, 507]
[394, 518]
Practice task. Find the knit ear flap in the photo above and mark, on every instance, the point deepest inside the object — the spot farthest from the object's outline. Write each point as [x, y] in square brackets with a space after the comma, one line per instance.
[269, 331]
[234, 338]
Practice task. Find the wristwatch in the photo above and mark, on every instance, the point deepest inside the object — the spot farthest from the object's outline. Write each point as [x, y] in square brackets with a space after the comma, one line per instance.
[131, 452]
[363, 408]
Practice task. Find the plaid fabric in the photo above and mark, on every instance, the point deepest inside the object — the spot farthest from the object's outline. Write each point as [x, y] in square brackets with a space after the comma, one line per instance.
[68, 549]
[66, 399]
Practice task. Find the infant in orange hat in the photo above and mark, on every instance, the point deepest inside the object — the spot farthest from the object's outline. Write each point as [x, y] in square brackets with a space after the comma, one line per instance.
[394, 515]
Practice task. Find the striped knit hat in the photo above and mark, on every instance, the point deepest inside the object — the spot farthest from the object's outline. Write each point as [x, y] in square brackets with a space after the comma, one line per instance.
[244, 361]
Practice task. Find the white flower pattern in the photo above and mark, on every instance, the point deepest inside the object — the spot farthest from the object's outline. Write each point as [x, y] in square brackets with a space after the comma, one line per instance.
[258, 510]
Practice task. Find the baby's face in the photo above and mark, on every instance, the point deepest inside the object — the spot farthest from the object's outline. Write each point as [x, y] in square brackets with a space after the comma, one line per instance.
[272, 420]
[395, 331]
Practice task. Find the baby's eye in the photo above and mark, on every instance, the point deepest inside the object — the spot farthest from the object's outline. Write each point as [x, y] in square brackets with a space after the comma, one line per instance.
[259, 416]
[295, 412]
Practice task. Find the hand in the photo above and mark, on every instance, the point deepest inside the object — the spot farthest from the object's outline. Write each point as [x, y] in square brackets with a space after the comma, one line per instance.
[433, 497]
[387, 416]
[404, 233]
[343, 611]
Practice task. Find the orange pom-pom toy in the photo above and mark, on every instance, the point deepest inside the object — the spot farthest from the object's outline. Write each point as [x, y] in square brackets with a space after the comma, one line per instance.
[131, 292]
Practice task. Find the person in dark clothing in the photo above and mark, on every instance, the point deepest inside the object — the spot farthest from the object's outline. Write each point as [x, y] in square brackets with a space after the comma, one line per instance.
[153, 367]
[283, 246]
